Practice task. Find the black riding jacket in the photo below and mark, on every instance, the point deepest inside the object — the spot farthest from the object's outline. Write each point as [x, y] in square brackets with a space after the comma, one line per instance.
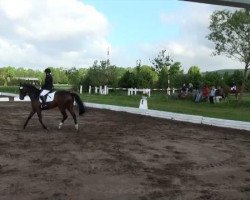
[48, 85]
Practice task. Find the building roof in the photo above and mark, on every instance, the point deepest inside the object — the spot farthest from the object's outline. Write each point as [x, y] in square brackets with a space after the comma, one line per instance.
[232, 3]
[28, 78]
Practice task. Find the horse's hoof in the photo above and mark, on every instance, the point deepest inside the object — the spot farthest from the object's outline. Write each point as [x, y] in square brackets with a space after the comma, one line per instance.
[77, 127]
[60, 125]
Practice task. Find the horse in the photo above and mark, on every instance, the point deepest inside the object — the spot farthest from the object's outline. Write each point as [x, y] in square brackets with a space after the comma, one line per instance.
[64, 100]
[235, 92]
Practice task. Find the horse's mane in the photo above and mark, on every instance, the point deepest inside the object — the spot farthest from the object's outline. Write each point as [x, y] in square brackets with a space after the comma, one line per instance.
[31, 88]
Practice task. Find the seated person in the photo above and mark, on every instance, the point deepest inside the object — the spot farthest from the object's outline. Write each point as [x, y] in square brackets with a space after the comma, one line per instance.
[219, 94]
[205, 92]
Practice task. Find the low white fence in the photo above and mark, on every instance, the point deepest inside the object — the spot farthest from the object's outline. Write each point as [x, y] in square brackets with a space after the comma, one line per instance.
[177, 116]
[131, 91]
[101, 89]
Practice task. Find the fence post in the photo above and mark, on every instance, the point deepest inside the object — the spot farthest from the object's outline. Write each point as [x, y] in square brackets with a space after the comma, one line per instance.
[168, 91]
[89, 89]
[80, 89]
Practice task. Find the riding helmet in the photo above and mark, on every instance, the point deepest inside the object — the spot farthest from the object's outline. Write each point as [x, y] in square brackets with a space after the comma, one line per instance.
[47, 71]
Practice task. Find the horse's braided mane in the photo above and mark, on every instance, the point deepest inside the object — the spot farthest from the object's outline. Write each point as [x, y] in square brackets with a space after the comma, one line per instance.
[30, 87]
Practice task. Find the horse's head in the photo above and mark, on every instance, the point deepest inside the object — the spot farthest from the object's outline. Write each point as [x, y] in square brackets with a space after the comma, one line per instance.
[22, 91]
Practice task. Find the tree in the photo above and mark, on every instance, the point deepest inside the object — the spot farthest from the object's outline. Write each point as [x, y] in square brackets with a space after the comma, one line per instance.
[59, 75]
[194, 76]
[145, 76]
[76, 76]
[162, 61]
[161, 65]
[7, 73]
[230, 31]
[212, 79]
[101, 74]
[237, 77]
[175, 75]
[128, 80]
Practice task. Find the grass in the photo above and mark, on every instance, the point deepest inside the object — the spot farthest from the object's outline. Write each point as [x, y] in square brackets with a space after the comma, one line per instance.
[9, 89]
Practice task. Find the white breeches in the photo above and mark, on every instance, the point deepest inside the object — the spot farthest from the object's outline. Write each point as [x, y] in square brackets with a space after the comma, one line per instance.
[233, 88]
[44, 92]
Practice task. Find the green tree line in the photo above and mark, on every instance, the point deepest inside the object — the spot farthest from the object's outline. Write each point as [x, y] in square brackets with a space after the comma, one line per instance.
[162, 74]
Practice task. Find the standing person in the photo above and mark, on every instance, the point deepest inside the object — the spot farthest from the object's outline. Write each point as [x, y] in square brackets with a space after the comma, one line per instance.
[184, 89]
[212, 95]
[190, 87]
[46, 87]
[205, 93]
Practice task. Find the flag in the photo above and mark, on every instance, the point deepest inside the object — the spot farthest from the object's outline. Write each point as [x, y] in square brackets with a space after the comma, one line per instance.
[108, 51]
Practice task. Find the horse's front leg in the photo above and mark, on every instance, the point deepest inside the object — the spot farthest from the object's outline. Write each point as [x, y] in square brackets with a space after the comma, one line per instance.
[29, 117]
[39, 114]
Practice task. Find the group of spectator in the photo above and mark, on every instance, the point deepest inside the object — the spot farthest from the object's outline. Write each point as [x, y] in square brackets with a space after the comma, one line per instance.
[185, 89]
[205, 93]
[212, 94]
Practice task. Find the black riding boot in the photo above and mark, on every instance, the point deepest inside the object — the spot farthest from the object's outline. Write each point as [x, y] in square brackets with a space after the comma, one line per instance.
[44, 105]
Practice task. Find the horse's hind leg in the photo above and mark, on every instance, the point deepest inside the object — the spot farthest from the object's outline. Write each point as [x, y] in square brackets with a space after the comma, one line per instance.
[29, 117]
[71, 110]
[65, 116]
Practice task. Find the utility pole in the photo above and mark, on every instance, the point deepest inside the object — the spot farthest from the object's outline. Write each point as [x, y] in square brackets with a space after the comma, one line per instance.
[107, 58]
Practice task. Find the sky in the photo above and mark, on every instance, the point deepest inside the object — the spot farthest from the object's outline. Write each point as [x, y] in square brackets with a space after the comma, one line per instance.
[74, 33]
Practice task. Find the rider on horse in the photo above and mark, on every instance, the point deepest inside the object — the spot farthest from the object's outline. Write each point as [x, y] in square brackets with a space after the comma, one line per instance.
[46, 87]
[233, 87]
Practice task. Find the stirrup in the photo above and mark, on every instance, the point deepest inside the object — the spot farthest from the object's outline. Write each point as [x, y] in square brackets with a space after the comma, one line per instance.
[44, 105]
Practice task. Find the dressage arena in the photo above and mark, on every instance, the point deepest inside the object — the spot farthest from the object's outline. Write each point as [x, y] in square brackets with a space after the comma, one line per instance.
[119, 156]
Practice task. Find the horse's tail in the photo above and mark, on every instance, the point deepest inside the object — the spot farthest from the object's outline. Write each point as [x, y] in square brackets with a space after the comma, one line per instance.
[79, 103]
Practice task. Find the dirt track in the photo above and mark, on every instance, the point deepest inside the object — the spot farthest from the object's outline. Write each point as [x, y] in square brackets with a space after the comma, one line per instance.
[119, 156]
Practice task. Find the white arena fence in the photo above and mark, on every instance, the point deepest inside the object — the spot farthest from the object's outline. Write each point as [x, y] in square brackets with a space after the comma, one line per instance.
[160, 114]
[131, 91]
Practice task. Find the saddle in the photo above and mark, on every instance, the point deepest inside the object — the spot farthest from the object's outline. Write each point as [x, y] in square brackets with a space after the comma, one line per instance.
[48, 97]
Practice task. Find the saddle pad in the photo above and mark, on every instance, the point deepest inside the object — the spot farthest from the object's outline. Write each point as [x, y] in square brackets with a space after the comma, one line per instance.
[50, 97]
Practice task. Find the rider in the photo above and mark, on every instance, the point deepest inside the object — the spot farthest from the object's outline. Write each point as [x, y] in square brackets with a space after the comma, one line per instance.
[233, 86]
[46, 87]
[184, 89]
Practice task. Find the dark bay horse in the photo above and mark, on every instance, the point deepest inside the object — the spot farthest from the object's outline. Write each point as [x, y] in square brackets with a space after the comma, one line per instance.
[64, 100]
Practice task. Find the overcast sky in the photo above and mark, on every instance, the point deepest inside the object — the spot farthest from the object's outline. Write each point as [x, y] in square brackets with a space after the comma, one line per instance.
[73, 33]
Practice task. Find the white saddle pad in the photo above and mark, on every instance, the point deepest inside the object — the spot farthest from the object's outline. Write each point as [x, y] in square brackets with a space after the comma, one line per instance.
[50, 97]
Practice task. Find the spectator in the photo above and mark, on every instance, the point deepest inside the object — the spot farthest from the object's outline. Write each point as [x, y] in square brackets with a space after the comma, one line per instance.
[198, 95]
[205, 92]
[184, 89]
[190, 87]
[212, 95]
